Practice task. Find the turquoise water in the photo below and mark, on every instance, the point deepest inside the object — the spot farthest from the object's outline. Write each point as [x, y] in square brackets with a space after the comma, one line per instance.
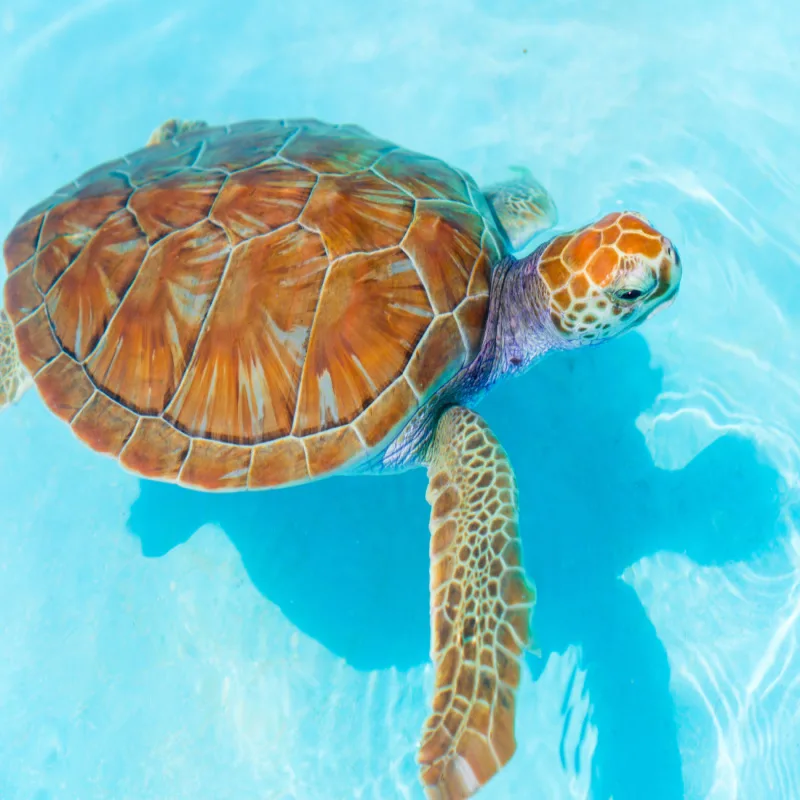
[156, 643]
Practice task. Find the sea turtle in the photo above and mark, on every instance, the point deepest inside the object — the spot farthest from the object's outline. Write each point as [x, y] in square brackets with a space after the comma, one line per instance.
[271, 302]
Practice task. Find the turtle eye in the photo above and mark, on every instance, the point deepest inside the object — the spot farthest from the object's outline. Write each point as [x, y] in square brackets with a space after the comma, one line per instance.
[630, 294]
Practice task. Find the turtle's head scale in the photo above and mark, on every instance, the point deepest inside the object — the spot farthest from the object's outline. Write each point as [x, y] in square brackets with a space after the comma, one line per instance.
[607, 278]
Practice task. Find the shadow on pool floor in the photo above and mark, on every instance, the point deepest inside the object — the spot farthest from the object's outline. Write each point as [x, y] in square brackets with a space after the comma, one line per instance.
[346, 559]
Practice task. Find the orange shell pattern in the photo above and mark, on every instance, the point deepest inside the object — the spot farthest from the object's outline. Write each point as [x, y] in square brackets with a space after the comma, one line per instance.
[252, 305]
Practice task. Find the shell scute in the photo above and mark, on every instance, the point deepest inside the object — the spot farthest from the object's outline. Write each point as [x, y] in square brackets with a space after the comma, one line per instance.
[213, 465]
[440, 355]
[81, 303]
[104, 425]
[22, 294]
[445, 241]
[259, 126]
[20, 246]
[69, 227]
[64, 387]
[335, 150]
[52, 259]
[244, 147]
[156, 162]
[330, 450]
[389, 411]
[278, 464]
[242, 383]
[175, 202]
[35, 341]
[146, 347]
[471, 317]
[258, 200]
[423, 177]
[357, 213]
[155, 449]
[373, 310]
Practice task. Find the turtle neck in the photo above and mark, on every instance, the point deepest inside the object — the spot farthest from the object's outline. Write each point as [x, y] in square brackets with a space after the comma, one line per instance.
[518, 329]
[518, 332]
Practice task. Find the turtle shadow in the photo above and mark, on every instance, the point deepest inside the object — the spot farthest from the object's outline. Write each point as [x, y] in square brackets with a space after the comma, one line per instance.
[592, 504]
[346, 558]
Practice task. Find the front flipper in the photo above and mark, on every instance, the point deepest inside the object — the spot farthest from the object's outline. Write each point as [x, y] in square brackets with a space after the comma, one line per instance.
[523, 207]
[481, 606]
[14, 378]
[172, 128]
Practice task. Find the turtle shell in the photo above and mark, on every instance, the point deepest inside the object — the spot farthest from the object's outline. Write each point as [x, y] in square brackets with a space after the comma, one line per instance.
[251, 305]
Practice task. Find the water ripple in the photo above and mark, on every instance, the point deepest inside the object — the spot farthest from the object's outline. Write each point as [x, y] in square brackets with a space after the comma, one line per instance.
[732, 643]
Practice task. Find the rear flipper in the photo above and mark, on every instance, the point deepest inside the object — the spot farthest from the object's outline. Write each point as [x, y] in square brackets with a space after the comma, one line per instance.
[172, 128]
[14, 378]
[481, 606]
[523, 207]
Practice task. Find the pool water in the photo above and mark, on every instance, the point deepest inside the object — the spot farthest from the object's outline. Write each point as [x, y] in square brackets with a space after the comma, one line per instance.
[157, 643]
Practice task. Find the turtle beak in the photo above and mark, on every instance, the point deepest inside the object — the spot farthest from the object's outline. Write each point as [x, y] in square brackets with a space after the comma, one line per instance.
[663, 306]
[675, 273]
[670, 274]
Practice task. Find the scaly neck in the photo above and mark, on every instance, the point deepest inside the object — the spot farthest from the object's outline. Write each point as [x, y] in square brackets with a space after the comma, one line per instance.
[519, 330]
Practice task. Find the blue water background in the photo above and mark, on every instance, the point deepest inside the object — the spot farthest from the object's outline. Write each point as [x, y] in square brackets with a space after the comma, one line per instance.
[157, 643]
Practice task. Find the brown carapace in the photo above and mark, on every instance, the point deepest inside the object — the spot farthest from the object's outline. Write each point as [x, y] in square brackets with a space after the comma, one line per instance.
[252, 305]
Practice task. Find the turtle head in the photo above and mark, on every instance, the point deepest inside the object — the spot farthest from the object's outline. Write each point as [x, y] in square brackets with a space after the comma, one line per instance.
[607, 278]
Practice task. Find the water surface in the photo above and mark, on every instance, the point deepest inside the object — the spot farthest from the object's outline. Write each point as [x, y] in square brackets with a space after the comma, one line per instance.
[160, 643]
